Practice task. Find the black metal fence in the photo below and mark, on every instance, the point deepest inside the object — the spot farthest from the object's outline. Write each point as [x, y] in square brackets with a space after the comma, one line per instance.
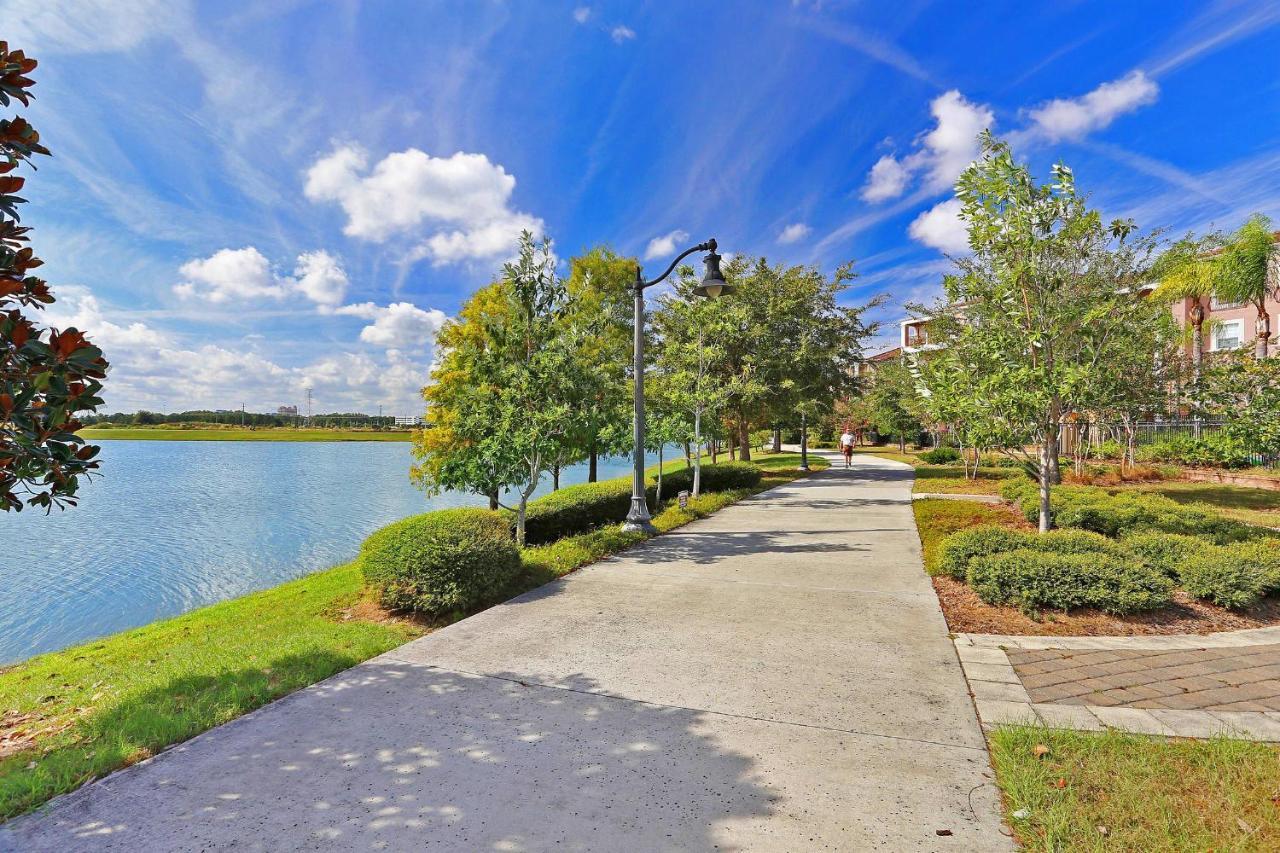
[1148, 433]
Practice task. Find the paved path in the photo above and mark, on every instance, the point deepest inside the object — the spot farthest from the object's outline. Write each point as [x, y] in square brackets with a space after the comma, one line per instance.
[1185, 685]
[777, 677]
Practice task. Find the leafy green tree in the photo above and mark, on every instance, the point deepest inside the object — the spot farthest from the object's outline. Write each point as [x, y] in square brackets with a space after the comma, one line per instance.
[1244, 391]
[599, 316]
[47, 376]
[506, 388]
[893, 403]
[1043, 296]
[1247, 273]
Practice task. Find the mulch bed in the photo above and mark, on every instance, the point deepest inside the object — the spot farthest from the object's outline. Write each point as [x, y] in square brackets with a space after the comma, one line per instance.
[967, 614]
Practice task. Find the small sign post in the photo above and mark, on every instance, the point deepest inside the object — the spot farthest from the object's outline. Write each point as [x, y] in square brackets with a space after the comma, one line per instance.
[684, 499]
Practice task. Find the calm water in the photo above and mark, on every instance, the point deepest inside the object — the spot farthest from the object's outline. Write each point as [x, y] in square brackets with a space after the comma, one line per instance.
[175, 525]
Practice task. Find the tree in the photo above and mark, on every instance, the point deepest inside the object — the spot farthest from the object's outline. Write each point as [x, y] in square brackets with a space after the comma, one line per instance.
[1043, 301]
[1246, 273]
[600, 306]
[506, 387]
[781, 332]
[1186, 271]
[1245, 392]
[893, 403]
[47, 376]
[685, 357]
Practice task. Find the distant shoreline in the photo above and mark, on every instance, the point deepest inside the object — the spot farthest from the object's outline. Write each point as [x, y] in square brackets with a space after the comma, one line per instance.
[265, 434]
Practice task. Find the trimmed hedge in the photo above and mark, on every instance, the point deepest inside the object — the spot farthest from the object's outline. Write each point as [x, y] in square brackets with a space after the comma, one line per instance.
[1031, 580]
[1226, 577]
[959, 549]
[442, 561]
[1165, 552]
[577, 509]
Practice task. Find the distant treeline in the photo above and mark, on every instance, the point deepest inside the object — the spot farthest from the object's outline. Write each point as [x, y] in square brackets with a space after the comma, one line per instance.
[332, 420]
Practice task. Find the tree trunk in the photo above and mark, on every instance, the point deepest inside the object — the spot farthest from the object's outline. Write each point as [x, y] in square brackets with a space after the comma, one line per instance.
[744, 441]
[697, 460]
[520, 513]
[1263, 331]
[555, 477]
[657, 496]
[902, 442]
[493, 500]
[777, 440]
[688, 456]
[592, 461]
[733, 450]
[715, 450]
[1046, 476]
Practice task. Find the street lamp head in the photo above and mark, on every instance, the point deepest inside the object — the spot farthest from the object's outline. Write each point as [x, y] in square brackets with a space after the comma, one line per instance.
[713, 284]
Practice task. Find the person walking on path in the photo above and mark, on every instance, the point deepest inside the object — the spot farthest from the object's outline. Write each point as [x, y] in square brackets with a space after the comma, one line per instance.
[846, 446]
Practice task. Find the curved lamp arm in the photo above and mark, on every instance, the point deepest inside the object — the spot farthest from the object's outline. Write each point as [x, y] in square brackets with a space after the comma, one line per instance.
[709, 246]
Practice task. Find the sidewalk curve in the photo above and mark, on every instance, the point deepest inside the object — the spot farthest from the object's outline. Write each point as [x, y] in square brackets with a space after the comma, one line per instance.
[775, 677]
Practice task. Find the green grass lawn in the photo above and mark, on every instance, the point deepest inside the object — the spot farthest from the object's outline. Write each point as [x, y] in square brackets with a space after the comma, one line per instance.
[77, 714]
[146, 434]
[1253, 506]
[1117, 791]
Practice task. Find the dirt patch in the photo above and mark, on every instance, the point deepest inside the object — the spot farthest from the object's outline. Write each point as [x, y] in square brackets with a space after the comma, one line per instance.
[367, 610]
[968, 614]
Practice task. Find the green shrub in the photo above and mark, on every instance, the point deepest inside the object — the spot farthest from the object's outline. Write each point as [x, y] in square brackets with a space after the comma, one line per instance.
[1109, 449]
[443, 561]
[1263, 554]
[1031, 580]
[1095, 509]
[576, 509]
[1164, 552]
[959, 548]
[1224, 576]
[940, 456]
[721, 477]
[1210, 450]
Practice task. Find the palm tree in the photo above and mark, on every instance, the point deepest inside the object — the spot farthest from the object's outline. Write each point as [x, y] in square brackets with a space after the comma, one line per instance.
[1188, 270]
[1243, 273]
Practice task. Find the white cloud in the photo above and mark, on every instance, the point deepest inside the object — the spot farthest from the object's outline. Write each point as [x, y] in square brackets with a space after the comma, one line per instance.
[320, 277]
[1074, 118]
[153, 369]
[400, 325]
[942, 228]
[941, 154]
[887, 179]
[794, 232]
[664, 246]
[581, 14]
[86, 26]
[622, 33]
[457, 207]
[241, 275]
[229, 274]
[365, 310]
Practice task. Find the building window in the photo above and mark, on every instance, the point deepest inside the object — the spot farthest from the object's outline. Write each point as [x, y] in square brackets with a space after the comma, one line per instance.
[1228, 335]
[1218, 305]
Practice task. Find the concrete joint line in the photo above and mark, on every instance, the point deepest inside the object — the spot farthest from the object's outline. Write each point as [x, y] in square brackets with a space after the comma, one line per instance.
[651, 704]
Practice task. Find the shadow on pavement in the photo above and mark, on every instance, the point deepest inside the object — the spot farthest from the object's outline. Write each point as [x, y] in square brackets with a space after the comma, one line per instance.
[400, 757]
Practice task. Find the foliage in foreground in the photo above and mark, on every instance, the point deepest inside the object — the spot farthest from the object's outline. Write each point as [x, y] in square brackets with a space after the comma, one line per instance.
[1116, 791]
[47, 376]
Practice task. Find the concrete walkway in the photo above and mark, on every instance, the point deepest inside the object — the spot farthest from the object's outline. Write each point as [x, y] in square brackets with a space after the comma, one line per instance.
[776, 677]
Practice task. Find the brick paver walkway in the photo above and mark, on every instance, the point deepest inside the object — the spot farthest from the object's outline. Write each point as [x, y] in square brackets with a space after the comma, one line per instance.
[1226, 679]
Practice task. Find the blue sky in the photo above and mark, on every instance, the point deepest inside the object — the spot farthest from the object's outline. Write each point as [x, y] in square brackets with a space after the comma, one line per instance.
[250, 200]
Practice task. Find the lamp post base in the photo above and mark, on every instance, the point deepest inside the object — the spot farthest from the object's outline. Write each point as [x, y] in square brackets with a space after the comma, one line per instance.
[638, 518]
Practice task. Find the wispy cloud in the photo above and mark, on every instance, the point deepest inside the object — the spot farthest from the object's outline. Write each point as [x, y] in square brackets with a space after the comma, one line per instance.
[1218, 26]
[1075, 118]
[665, 245]
[794, 233]
[872, 45]
[622, 33]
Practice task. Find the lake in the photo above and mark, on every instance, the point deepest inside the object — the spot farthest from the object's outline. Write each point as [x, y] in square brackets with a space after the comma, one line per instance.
[174, 525]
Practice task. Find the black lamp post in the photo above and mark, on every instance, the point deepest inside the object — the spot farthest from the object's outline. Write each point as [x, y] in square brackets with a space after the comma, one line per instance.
[713, 286]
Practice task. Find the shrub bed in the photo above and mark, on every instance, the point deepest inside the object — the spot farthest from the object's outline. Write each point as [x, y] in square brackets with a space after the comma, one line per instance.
[1032, 579]
[1124, 513]
[441, 561]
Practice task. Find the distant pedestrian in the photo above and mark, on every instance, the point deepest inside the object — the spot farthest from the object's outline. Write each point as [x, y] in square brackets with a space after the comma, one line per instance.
[846, 446]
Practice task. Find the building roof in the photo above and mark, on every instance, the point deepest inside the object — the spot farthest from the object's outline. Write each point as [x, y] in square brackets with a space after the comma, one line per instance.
[886, 355]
